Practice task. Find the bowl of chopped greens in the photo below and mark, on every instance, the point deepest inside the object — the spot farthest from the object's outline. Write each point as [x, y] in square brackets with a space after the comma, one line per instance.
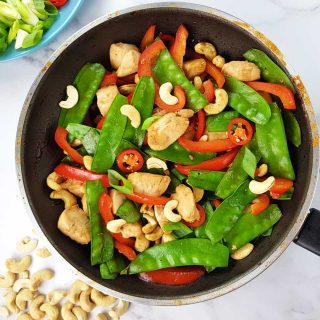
[168, 154]
[27, 25]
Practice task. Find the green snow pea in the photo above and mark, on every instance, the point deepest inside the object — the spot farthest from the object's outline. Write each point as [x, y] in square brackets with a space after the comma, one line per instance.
[292, 128]
[184, 252]
[110, 136]
[32, 39]
[268, 233]
[247, 101]
[229, 211]
[128, 211]
[220, 121]
[111, 268]
[203, 179]
[272, 142]
[115, 178]
[200, 232]
[87, 83]
[3, 41]
[180, 230]
[174, 183]
[251, 226]
[271, 72]
[105, 272]
[287, 195]
[166, 70]
[181, 177]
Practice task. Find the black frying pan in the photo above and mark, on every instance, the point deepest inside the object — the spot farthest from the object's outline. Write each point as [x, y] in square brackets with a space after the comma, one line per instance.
[37, 153]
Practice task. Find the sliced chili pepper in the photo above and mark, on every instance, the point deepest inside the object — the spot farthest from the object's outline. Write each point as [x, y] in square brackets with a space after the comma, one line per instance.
[130, 97]
[280, 186]
[179, 93]
[178, 49]
[240, 131]
[173, 276]
[286, 95]
[58, 3]
[259, 204]
[197, 223]
[145, 199]
[215, 73]
[66, 171]
[148, 37]
[105, 207]
[218, 163]
[167, 38]
[60, 137]
[130, 160]
[148, 58]
[208, 90]
[100, 123]
[109, 79]
[216, 203]
[201, 124]
[266, 96]
[125, 250]
[127, 241]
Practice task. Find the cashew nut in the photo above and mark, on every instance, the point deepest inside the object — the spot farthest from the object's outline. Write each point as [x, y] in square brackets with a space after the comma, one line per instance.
[129, 64]
[155, 235]
[197, 82]
[25, 316]
[185, 113]
[101, 316]
[85, 302]
[193, 68]
[79, 313]
[219, 61]
[21, 284]
[207, 49]
[131, 230]
[262, 170]
[54, 180]
[77, 287]
[54, 297]
[204, 138]
[165, 94]
[7, 280]
[87, 162]
[72, 100]
[76, 143]
[263, 186]
[18, 266]
[51, 311]
[26, 245]
[156, 163]
[126, 89]
[167, 238]
[242, 70]
[43, 253]
[141, 243]
[68, 198]
[132, 113]
[35, 305]
[24, 296]
[39, 277]
[151, 225]
[147, 209]
[220, 103]
[159, 214]
[101, 299]
[4, 312]
[10, 299]
[120, 309]
[105, 97]
[197, 193]
[115, 226]
[66, 311]
[243, 252]
[24, 275]
[168, 211]
[117, 199]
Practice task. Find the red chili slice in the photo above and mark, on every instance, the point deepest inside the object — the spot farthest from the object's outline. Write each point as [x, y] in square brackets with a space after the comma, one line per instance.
[240, 131]
[208, 90]
[280, 186]
[201, 125]
[125, 250]
[130, 160]
[197, 223]
[59, 3]
[259, 204]
[105, 207]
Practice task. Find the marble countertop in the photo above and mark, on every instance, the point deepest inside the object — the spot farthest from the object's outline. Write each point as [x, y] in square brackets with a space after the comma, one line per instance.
[290, 288]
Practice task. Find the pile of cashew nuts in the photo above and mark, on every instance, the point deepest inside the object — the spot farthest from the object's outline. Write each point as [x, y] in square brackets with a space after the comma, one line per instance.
[22, 296]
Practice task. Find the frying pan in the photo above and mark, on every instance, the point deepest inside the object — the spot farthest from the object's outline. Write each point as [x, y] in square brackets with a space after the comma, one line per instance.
[37, 153]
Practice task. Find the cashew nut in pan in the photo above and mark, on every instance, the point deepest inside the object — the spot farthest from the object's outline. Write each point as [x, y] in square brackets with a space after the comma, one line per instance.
[77, 287]
[151, 225]
[101, 299]
[263, 186]
[39, 277]
[195, 67]
[168, 211]
[52, 312]
[219, 61]
[132, 113]
[141, 243]
[21, 284]
[35, 305]
[66, 311]
[147, 209]
[18, 266]
[4, 312]
[167, 238]
[43, 253]
[26, 245]
[165, 94]
[72, 100]
[220, 103]
[197, 82]
[79, 313]
[54, 180]
[185, 113]
[7, 280]
[243, 252]
[55, 296]
[68, 198]
[24, 296]
[85, 301]
[155, 235]
[207, 49]
[120, 309]
[10, 299]
[115, 226]
[156, 163]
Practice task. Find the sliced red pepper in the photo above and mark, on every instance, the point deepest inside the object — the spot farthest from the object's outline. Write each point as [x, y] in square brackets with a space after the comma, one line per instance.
[215, 73]
[285, 94]
[127, 241]
[197, 223]
[280, 186]
[130, 97]
[125, 250]
[148, 37]
[167, 38]
[259, 204]
[58, 3]
[266, 96]
[216, 203]
[145, 199]
[216, 164]
[173, 276]
[240, 131]
[178, 49]
[60, 137]
[100, 123]
[130, 160]
[109, 79]
[66, 171]
[179, 93]
[148, 58]
[201, 125]
[208, 90]
[105, 207]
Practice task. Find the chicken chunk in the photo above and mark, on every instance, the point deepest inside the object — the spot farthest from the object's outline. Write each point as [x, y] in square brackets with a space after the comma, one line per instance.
[117, 199]
[165, 131]
[129, 64]
[186, 203]
[73, 186]
[159, 213]
[74, 223]
[242, 70]
[149, 184]
[118, 51]
[105, 97]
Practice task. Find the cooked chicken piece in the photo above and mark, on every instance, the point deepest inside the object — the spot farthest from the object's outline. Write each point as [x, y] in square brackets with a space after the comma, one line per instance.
[74, 223]
[149, 184]
[242, 70]
[105, 97]
[186, 203]
[129, 64]
[117, 199]
[118, 51]
[165, 131]
[73, 186]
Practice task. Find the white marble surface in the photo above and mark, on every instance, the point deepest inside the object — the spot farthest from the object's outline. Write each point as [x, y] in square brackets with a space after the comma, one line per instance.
[290, 288]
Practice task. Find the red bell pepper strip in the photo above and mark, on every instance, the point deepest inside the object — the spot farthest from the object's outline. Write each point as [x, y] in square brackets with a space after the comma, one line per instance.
[109, 79]
[125, 250]
[127, 241]
[215, 73]
[280, 186]
[148, 58]
[178, 49]
[130, 160]
[179, 93]
[167, 38]
[100, 123]
[173, 276]
[130, 97]
[208, 90]
[148, 37]
[58, 3]
[144, 199]
[216, 203]
[197, 223]
[66, 171]
[105, 207]
[266, 96]
[259, 204]
[286, 95]
[60, 137]
[201, 125]
[242, 133]
[215, 164]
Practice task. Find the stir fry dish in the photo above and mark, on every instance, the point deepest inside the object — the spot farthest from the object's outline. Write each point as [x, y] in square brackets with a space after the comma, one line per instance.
[175, 159]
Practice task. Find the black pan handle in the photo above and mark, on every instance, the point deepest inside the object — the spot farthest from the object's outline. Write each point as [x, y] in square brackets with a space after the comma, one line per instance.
[309, 236]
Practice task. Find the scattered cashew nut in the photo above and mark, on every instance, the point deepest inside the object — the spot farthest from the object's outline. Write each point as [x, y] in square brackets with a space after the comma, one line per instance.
[21, 284]
[66, 311]
[220, 103]
[165, 94]
[79, 313]
[10, 299]
[156, 163]
[207, 49]
[52, 312]
[263, 186]
[4, 312]
[24, 275]
[132, 113]
[54, 297]
[101, 299]
[72, 100]
[77, 287]
[43, 253]
[24, 316]
[35, 305]
[68, 198]
[18, 266]
[85, 302]
[243, 252]
[101, 316]
[26, 245]
[7, 280]
[39, 277]
[120, 309]
[24, 296]
[168, 211]
[115, 226]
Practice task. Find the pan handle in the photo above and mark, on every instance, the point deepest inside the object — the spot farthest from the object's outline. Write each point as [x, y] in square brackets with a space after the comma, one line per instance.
[309, 235]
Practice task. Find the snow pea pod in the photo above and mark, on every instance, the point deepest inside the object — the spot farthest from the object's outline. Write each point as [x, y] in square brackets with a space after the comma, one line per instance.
[179, 229]
[128, 211]
[110, 136]
[111, 268]
[178, 253]
[229, 211]
[105, 272]
[271, 72]
[247, 101]
[200, 232]
[87, 83]
[251, 226]
[220, 121]
[272, 142]
[204, 179]
[166, 70]
[292, 128]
